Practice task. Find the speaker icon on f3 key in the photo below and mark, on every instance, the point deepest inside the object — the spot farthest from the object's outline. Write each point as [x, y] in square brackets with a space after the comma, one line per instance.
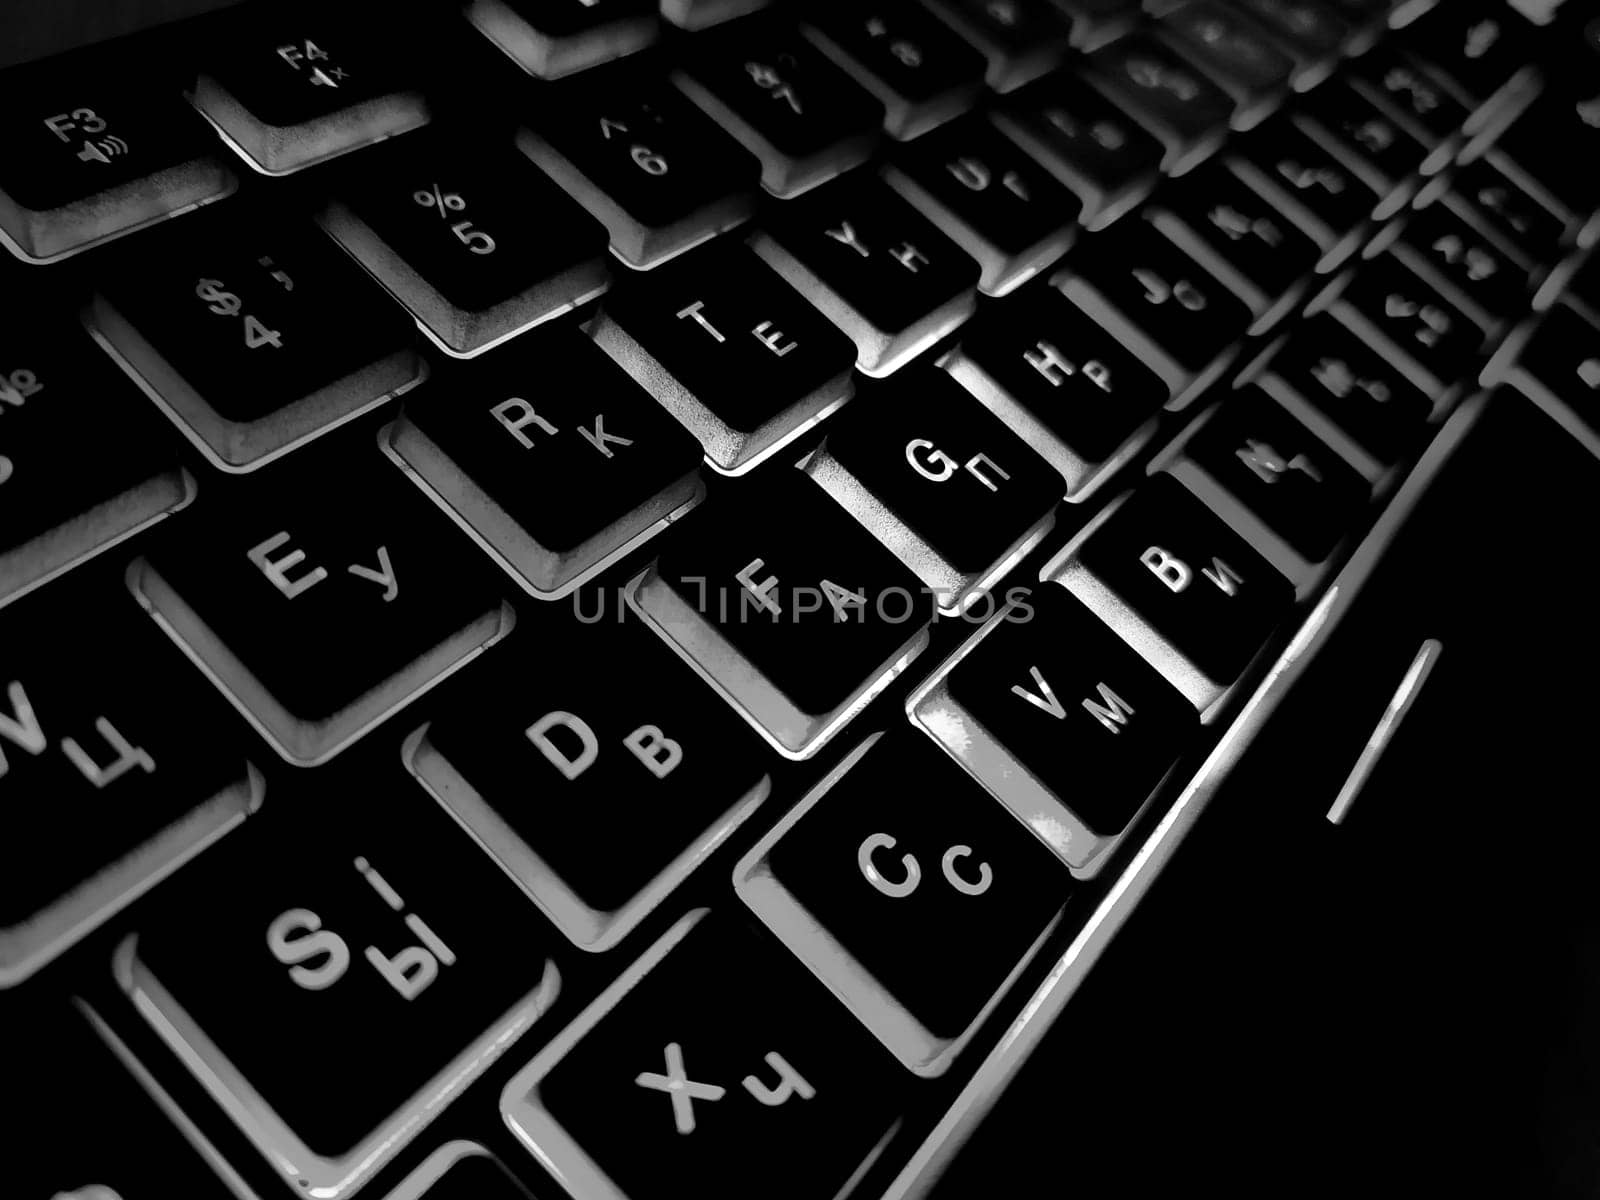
[104, 150]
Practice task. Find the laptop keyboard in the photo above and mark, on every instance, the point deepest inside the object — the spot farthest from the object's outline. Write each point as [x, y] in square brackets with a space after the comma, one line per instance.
[593, 593]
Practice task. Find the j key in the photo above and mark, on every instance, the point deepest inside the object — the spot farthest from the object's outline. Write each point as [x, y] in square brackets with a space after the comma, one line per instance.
[635, 785]
[60, 1059]
[459, 1170]
[1062, 721]
[939, 481]
[113, 767]
[1003, 209]
[62, 402]
[880, 270]
[804, 118]
[1240, 238]
[1324, 370]
[1085, 141]
[1551, 146]
[795, 631]
[254, 333]
[550, 40]
[1386, 298]
[888, 875]
[697, 14]
[1560, 369]
[1375, 149]
[558, 484]
[1163, 564]
[1310, 186]
[1159, 303]
[1474, 47]
[1442, 247]
[657, 171]
[93, 155]
[732, 1070]
[1062, 383]
[321, 596]
[1406, 94]
[920, 68]
[1021, 39]
[731, 350]
[1235, 53]
[443, 225]
[1279, 472]
[1525, 227]
[1170, 98]
[374, 944]
[290, 86]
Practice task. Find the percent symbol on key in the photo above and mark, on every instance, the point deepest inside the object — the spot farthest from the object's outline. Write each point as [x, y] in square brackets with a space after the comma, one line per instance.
[444, 203]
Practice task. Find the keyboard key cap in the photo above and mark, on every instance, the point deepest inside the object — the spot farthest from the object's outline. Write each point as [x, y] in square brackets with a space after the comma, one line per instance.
[909, 892]
[1461, 261]
[728, 1066]
[113, 779]
[1313, 31]
[443, 225]
[804, 118]
[1166, 95]
[253, 333]
[1158, 302]
[1096, 22]
[550, 40]
[549, 723]
[1407, 95]
[1558, 368]
[1235, 54]
[1178, 585]
[731, 350]
[92, 154]
[797, 624]
[1548, 149]
[1021, 39]
[459, 1170]
[375, 944]
[1309, 186]
[321, 596]
[555, 487]
[63, 404]
[292, 85]
[876, 267]
[659, 174]
[921, 70]
[1369, 145]
[1085, 141]
[698, 14]
[1061, 720]
[1525, 226]
[1061, 383]
[1001, 207]
[1475, 48]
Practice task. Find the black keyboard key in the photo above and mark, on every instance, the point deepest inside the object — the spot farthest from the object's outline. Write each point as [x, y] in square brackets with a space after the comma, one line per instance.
[460, 1170]
[1324, 370]
[1525, 226]
[1233, 52]
[1240, 238]
[1095, 22]
[1021, 39]
[1182, 587]
[698, 14]
[322, 595]
[556, 486]
[1003, 209]
[254, 333]
[919, 67]
[1549, 148]
[58, 1055]
[1061, 382]
[548, 723]
[1308, 185]
[1314, 31]
[1159, 303]
[92, 153]
[443, 225]
[910, 892]
[728, 347]
[1368, 144]
[552, 38]
[1062, 721]
[658, 172]
[292, 85]
[1299, 489]
[370, 939]
[795, 622]
[1387, 300]
[1558, 367]
[113, 766]
[1461, 260]
[804, 118]
[727, 1064]
[1475, 48]
[1407, 95]
[938, 480]
[1169, 97]
[879, 270]
[63, 405]
[1084, 140]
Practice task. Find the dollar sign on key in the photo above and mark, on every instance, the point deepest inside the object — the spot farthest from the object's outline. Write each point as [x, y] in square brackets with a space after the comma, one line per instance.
[223, 303]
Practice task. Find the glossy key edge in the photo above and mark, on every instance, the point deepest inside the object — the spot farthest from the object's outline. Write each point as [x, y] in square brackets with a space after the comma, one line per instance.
[912, 1043]
[415, 1186]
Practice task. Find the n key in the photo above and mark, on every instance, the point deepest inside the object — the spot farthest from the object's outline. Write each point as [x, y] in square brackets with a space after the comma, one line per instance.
[321, 596]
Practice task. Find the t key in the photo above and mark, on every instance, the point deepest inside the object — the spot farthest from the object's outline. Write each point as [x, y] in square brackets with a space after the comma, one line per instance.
[321, 596]
[254, 334]
[560, 484]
